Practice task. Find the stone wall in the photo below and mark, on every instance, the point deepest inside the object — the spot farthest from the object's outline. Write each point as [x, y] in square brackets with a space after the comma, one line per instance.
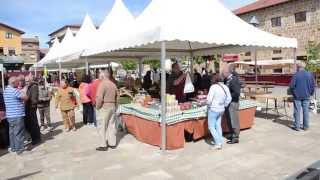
[303, 31]
[30, 52]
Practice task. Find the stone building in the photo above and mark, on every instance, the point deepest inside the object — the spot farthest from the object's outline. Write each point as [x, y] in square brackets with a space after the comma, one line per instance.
[60, 33]
[30, 51]
[298, 19]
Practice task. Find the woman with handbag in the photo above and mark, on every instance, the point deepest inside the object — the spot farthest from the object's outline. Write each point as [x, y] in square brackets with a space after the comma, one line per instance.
[218, 98]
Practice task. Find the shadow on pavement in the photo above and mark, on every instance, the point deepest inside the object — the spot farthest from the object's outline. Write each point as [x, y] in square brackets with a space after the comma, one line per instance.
[24, 176]
[120, 135]
[286, 123]
[3, 152]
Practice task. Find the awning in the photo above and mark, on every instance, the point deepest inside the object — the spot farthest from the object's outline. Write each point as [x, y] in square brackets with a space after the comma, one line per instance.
[269, 62]
[11, 62]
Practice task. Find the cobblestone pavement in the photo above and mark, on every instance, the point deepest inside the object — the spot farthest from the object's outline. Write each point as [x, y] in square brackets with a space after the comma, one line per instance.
[270, 150]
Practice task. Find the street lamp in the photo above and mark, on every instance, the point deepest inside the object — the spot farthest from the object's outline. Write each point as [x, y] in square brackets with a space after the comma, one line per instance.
[254, 21]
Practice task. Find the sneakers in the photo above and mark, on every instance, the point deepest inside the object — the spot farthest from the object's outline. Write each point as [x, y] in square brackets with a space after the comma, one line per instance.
[11, 150]
[74, 129]
[50, 128]
[42, 128]
[217, 147]
[294, 128]
[102, 148]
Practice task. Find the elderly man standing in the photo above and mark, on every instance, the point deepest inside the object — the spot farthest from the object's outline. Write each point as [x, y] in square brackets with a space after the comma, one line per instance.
[302, 88]
[106, 105]
[232, 111]
[31, 120]
[15, 114]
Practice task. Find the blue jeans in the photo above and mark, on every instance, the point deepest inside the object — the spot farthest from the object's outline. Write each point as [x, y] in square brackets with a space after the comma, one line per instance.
[297, 111]
[214, 123]
[16, 134]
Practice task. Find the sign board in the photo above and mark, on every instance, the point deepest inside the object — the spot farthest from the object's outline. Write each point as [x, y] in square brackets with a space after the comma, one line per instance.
[1, 67]
[230, 57]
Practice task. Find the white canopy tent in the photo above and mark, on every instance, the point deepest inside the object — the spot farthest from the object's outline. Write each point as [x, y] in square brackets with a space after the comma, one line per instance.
[51, 53]
[116, 22]
[80, 41]
[191, 28]
[180, 28]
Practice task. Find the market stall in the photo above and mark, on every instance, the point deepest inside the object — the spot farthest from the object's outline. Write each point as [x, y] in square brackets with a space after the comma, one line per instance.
[166, 29]
[144, 122]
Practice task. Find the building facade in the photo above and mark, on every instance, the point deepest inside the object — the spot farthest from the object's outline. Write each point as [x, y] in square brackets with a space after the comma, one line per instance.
[10, 40]
[298, 19]
[30, 51]
[60, 33]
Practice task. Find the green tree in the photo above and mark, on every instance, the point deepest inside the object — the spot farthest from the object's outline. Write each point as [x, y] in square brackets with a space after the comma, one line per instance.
[129, 64]
[313, 54]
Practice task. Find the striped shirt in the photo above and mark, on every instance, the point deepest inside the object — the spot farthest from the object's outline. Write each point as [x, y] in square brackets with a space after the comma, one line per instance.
[13, 102]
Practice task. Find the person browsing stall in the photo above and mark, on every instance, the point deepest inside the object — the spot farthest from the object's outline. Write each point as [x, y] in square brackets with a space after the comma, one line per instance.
[218, 98]
[176, 83]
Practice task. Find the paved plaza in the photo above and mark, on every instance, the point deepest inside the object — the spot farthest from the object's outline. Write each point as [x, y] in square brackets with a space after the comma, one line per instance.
[270, 150]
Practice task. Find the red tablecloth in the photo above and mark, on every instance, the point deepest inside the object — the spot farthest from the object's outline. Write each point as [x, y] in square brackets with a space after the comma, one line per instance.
[150, 132]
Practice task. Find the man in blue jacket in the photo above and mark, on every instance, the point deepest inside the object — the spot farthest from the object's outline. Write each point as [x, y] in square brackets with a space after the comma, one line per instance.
[302, 87]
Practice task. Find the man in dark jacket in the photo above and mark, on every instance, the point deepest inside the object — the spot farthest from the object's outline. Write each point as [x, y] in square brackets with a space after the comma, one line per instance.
[31, 120]
[302, 87]
[232, 111]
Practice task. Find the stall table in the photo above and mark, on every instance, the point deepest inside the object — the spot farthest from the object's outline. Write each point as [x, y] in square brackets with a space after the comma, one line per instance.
[144, 123]
[277, 99]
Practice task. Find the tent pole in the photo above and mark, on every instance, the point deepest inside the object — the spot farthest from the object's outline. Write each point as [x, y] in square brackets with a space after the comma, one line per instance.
[140, 68]
[255, 65]
[295, 59]
[191, 66]
[87, 66]
[163, 97]
[60, 74]
[35, 71]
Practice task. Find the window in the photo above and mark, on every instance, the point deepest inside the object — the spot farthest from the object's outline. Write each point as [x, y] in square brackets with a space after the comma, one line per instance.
[276, 22]
[248, 53]
[30, 45]
[277, 58]
[278, 70]
[9, 35]
[277, 51]
[302, 58]
[247, 60]
[300, 16]
[12, 52]
[1, 51]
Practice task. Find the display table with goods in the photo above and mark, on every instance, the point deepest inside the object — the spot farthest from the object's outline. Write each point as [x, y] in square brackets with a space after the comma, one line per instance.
[142, 119]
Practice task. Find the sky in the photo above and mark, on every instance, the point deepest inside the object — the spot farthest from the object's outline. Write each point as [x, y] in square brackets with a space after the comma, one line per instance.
[40, 18]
